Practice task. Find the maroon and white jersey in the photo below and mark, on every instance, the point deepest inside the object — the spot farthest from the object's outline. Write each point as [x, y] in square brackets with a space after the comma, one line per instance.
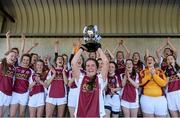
[88, 105]
[163, 64]
[22, 78]
[37, 88]
[174, 80]
[6, 80]
[129, 92]
[90, 101]
[69, 76]
[113, 82]
[121, 66]
[57, 87]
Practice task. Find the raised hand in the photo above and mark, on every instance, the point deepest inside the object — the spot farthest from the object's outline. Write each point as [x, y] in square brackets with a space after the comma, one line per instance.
[23, 36]
[8, 34]
[121, 42]
[56, 42]
[35, 44]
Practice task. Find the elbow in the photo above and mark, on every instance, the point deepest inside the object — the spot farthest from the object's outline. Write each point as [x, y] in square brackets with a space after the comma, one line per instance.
[163, 84]
[137, 86]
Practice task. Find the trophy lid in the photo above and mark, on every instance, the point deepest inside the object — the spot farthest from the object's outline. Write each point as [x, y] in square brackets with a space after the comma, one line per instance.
[91, 34]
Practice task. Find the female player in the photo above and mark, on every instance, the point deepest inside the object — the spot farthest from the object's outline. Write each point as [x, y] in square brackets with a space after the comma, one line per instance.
[173, 89]
[153, 102]
[20, 90]
[90, 85]
[130, 84]
[7, 72]
[171, 50]
[57, 93]
[112, 97]
[37, 90]
[72, 95]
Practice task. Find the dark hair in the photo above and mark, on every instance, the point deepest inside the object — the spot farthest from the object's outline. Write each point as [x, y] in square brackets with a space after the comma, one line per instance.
[65, 56]
[92, 53]
[4, 63]
[96, 62]
[15, 48]
[150, 57]
[40, 60]
[26, 55]
[139, 63]
[116, 66]
[172, 56]
[176, 65]
[120, 52]
[33, 54]
[91, 83]
[57, 58]
[172, 52]
[133, 70]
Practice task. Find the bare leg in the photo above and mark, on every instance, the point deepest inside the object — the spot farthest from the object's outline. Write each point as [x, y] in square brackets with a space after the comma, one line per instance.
[22, 110]
[32, 111]
[115, 115]
[49, 109]
[108, 113]
[71, 110]
[147, 115]
[1, 111]
[40, 111]
[61, 109]
[126, 112]
[134, 112]
[13, 109]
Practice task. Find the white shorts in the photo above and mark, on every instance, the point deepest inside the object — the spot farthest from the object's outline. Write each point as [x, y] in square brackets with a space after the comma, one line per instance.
[173, 99]
[130, 105]
[56, 101]
[154, 105]
[37, 100]
[5, 100]
[72, 97]
[18, 98]
[112, 103]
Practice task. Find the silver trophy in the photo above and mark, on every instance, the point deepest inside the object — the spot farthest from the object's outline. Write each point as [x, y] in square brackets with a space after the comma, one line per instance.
[91, 38]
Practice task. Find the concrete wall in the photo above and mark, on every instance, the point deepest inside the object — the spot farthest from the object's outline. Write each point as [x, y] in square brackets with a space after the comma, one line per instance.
[46, 45]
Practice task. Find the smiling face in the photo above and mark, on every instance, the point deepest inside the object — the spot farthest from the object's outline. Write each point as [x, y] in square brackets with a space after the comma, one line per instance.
[129, 65]
[80, 62]
[92, 55]
[170, 60]
[150, 62]
[91, 68]
[136, 57]
[60, 61]
[39, 66]
[34, 58]
[25, 61]
[11, 57]
[120, 55]
[112, 68]
[167, 51]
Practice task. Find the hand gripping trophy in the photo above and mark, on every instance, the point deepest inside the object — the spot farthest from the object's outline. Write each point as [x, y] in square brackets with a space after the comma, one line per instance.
[91, 38]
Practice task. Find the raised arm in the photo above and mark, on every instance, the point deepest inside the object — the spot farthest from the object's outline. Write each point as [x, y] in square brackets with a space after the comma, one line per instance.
[110, 53]
[75, 68]
[22, 44]
[127, 50]
[56, 45]
[33, 46]
[171, 45]
[158, 51]
[7, 41]
[49, 80]
[105, 66]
